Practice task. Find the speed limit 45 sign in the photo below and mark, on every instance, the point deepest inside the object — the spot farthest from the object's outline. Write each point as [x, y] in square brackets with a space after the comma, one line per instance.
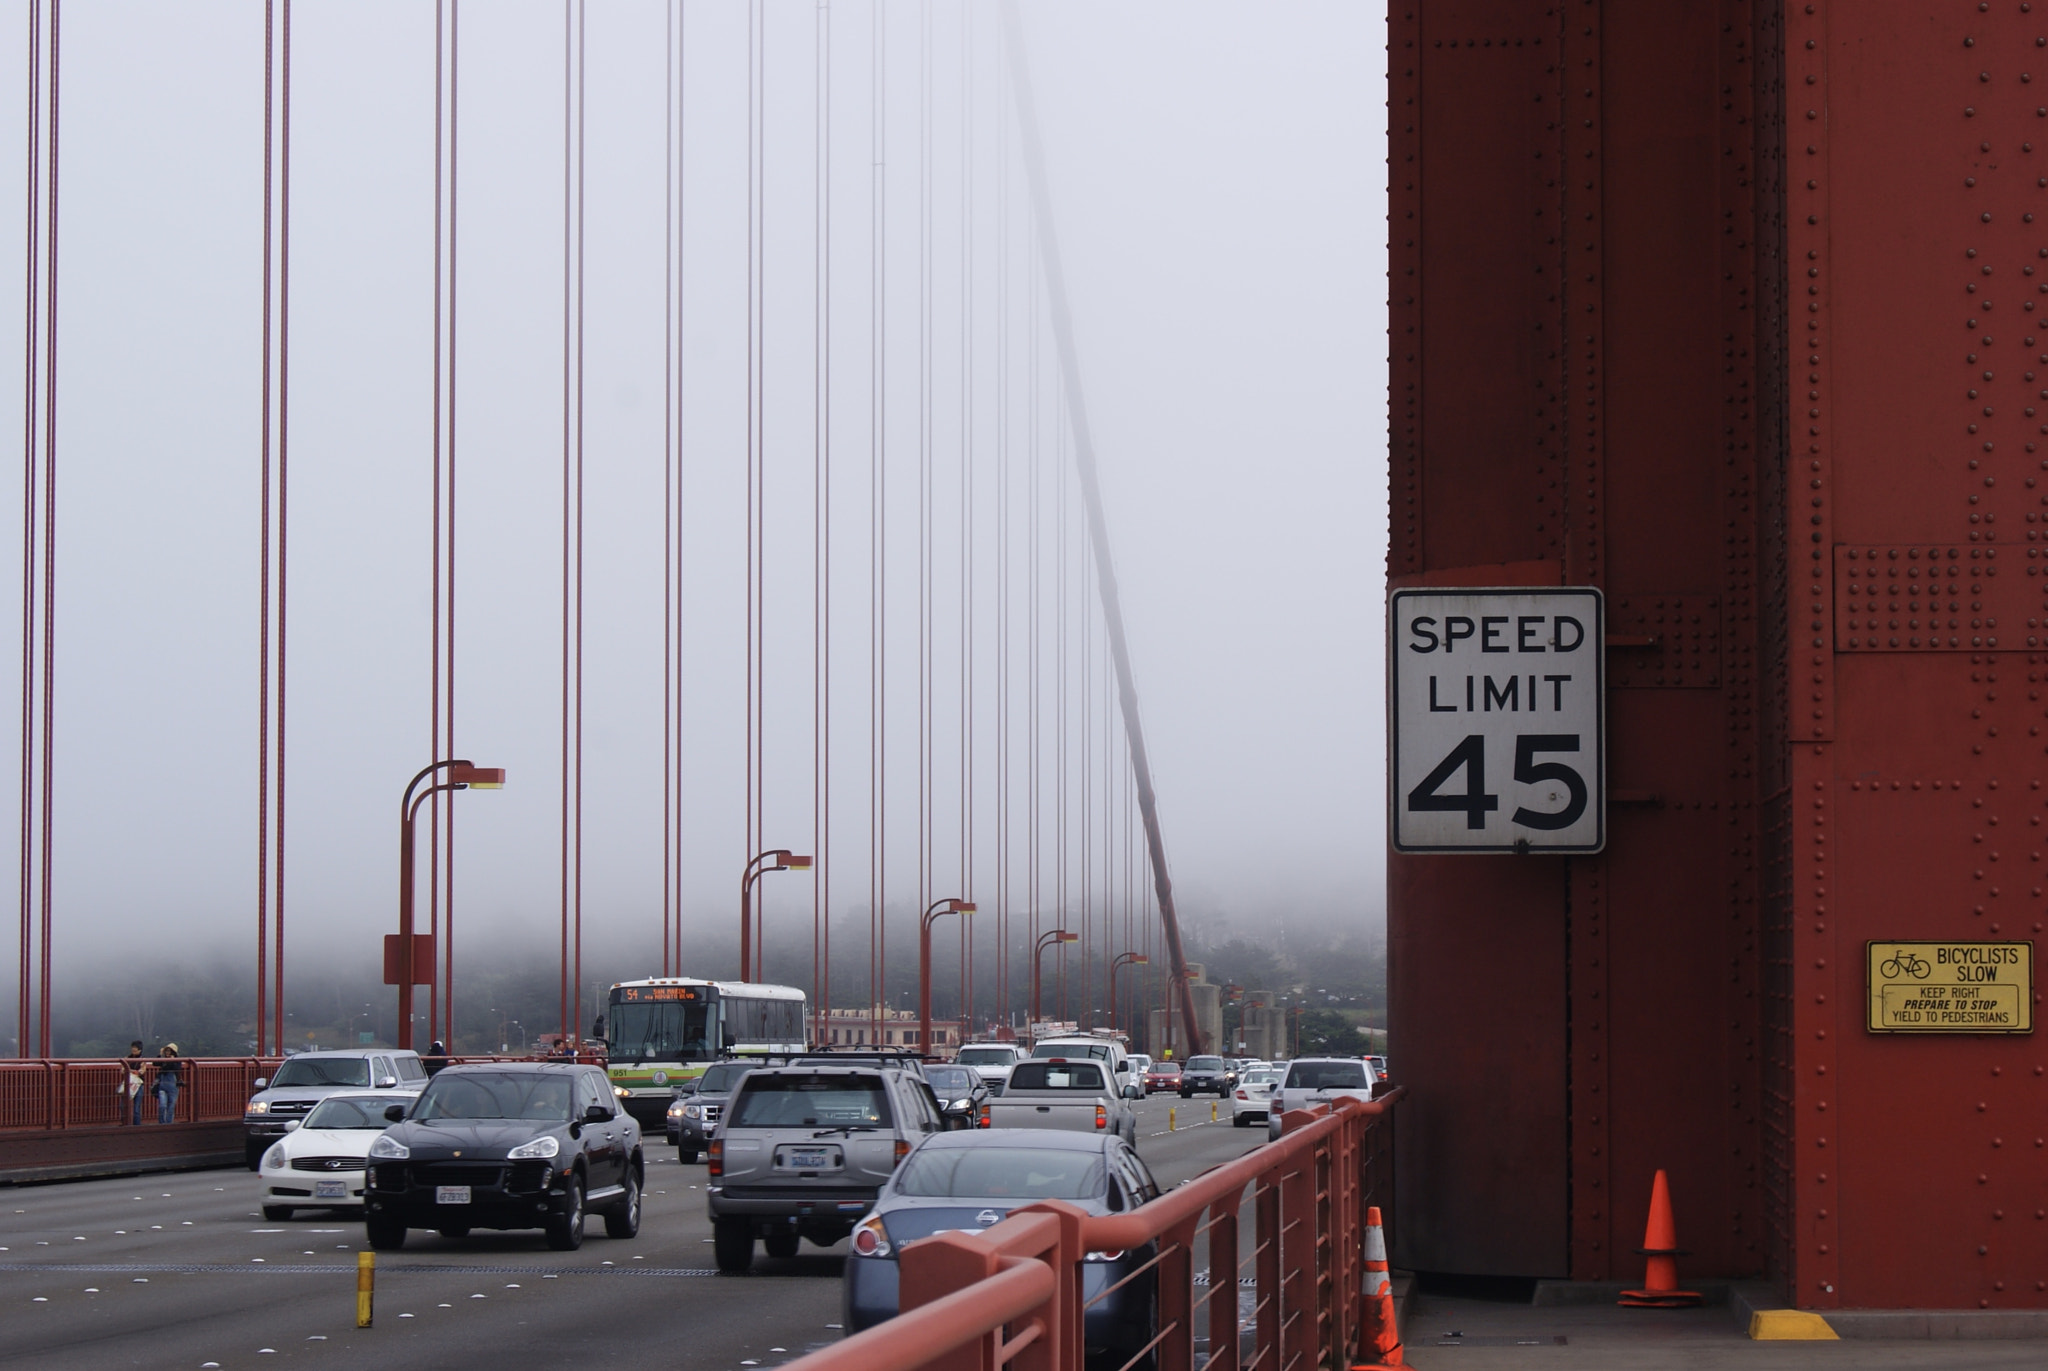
[1497, 720]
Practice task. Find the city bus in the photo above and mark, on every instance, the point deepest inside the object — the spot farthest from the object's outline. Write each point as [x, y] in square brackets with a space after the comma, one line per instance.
[664, 1031]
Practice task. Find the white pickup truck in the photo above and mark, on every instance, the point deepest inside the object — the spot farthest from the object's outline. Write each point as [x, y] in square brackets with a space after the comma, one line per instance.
[1318, 1080]
[1058, 1092]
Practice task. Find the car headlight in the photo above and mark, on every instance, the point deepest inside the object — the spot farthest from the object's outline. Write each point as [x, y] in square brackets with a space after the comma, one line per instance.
[545, 1146]
[258, 1107]
[693, 1111]
[389, 1149]
[960, 1104]
[274, 1158]
[676, 1110]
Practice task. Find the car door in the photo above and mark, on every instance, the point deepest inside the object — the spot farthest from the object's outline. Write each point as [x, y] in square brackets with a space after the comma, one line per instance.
[382, 1077]
[603, 1158]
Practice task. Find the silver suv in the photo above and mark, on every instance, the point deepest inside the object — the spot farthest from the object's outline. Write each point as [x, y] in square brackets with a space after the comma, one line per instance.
[304, 1080]
[803, 1150]
[1318, 1080]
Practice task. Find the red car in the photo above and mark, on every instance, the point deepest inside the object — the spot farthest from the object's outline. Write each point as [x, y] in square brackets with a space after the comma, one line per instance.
[1162, 1076]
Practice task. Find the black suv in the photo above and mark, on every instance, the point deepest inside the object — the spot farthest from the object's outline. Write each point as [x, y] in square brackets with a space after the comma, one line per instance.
[511, 1145]
[1207, 1076]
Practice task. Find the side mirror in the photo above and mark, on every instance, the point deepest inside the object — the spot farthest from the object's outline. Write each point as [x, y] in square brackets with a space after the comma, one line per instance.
[261, 1082]
[729, 1040]
[388, 1083]
[394, 1112]
[292, 1125]
[597, 1113]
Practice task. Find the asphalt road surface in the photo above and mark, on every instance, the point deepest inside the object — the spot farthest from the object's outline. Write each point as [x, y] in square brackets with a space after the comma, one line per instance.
[182, 1271]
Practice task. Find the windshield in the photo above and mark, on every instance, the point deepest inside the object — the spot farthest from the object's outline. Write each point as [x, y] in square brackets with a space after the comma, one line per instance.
[1326, 1076]
[496, 1095]
[1205, 1063]
[955, 1079]
[359, 1112]
[1002, 1173]
[720, 1079]
[303, 1071]
[985, 1056]
[1058, 1076]
[663, 1031]
[1263, 1076]
[1165, 1068]
[835, 1101]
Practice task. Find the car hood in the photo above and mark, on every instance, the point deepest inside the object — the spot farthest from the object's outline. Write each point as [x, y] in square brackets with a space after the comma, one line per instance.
[328, 1142]
[909, 1219]
[303, 1094]
[471, 1137]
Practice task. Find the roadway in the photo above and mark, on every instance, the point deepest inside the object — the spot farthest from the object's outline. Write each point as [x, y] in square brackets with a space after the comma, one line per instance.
[181, 1270]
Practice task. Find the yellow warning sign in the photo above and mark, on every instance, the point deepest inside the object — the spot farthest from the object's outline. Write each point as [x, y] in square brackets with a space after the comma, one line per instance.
[1951, 987]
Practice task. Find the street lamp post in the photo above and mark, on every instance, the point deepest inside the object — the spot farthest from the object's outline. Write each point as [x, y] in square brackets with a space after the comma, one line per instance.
[1125, 959]
[1045, 940]
[939, 909]
[402, 955]
[752, 951]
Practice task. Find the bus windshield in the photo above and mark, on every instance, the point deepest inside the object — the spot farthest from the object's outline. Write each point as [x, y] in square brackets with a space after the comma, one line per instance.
[666, 1030]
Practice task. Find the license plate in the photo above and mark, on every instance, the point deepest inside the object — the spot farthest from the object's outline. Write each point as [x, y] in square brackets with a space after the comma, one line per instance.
[330, 1190]
[451, 1194]
[810, 1161]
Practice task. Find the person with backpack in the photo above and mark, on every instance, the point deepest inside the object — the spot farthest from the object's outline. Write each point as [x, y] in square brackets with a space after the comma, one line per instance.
[169, 1067]
[129, 1087]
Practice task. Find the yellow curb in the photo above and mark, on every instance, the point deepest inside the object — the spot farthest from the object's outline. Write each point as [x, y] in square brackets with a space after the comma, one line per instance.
[1789, 1325]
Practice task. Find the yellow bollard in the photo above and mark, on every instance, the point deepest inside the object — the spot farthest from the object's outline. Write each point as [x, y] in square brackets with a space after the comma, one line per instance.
[366, 1286]
[1212, 1111]
[1170, 1122]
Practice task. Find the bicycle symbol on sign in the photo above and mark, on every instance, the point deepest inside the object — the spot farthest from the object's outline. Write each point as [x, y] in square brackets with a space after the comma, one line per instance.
[1904, 966]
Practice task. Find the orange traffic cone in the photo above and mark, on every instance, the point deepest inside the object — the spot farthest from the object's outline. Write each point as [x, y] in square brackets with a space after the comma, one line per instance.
[1660, 1244]
[1379, 1339]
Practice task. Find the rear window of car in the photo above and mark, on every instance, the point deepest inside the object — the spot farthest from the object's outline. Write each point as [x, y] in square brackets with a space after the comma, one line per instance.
[1096, 1050]
[1002, 1173]
[985, 1056]
[838, 1100]
[1205, 1063]
[319, 1071]
[1326, 1076]
[719, 1079]
[1057, 1076]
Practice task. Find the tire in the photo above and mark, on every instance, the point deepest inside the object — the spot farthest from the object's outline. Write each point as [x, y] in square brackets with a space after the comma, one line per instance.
[686, 1155]
[453, 1230]
[622, 1220]
[733, 1243]
[252, 1153]
[781, 1246]
[565, 1226]
[277, 1213]
[1187, 1094]
[1239, 1121]
[385, 1234]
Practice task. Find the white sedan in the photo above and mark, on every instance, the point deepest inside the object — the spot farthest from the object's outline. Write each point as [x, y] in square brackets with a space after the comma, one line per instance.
[320, 1163]
[1253, 1095]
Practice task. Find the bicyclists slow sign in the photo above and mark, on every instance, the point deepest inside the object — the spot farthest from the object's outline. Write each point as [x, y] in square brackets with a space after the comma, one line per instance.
[1951, 987]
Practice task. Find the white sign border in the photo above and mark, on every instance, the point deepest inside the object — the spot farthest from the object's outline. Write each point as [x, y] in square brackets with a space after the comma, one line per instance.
[1523, 847]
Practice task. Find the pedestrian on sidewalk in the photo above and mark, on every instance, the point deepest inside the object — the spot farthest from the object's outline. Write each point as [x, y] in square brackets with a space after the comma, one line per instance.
[168, 1068]
[129, 1088]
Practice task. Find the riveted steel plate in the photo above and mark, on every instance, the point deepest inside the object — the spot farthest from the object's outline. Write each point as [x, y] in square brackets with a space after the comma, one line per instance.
[1929, 597]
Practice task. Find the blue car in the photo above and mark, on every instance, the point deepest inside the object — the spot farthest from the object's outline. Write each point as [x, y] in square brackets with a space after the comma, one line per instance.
[972, 1180]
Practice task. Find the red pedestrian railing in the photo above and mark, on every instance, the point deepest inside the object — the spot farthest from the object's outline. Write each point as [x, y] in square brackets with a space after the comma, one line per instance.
[1012, 1295]
[56, 1093]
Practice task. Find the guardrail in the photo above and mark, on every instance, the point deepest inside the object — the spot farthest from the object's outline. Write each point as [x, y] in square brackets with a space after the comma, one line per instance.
[1011, 1296]
[68, 1092]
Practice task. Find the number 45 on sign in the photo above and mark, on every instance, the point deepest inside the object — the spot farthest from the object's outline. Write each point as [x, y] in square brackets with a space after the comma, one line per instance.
[1497, 720]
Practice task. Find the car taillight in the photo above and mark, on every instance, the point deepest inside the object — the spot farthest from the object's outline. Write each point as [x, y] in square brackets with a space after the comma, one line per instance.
[902, 1148]
[982, 1122]
[715, 1159]
[1101, 1116]
[1242, 1096]
[870, 1239]
[1104, 1256]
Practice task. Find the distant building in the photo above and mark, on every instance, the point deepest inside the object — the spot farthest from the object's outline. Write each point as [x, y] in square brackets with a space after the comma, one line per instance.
[1263, 1034]
[883, 1028]
[1164, 1025]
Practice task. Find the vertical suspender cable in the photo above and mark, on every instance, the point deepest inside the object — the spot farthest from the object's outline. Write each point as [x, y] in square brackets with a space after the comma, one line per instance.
[263, 550]
[1098, 529]
[30, 405]
[924, 461]
[434, 664]
[582, 86]
[668, 476]
[1033, 774]
[1005, 682]
[49, 530]
[568, 430]
[878, 489]
[448, 580]
[284, 360]
[750, 803]
[675, 692]
[821, 522]
[967, 539]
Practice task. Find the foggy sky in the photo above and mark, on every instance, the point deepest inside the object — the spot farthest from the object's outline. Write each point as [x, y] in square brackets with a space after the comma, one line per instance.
[1217, 181]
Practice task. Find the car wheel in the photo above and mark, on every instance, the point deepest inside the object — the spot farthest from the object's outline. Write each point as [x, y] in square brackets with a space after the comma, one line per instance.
[453, 1230]
[623, 1219]
[565, 1225]
[252, 1153]
[687, 1155]
[732, 1242]
[385, 1234]
[1239, 1121]
[781, 1246]
[277, 1213]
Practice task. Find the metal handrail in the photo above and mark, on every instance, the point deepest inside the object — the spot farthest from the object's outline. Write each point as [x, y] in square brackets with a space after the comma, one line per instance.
[961, 1293]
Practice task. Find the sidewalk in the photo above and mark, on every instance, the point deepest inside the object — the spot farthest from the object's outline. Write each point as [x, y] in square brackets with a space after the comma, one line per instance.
[1529, 1337]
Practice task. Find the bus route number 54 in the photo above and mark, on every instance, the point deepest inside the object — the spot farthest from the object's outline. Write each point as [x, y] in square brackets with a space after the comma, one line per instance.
[1496, 705]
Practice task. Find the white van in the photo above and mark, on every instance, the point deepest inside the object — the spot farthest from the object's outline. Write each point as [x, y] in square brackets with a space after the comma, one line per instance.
[1107, 1050]
[990, 1061]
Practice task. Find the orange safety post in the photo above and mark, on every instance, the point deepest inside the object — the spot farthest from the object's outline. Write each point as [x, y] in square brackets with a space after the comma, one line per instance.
[1381, 1336]
[1660, 1245]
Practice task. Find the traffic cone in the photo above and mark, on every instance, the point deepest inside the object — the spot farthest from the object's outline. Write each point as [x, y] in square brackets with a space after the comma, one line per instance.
[1660, 1244]
[1379, 1339]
